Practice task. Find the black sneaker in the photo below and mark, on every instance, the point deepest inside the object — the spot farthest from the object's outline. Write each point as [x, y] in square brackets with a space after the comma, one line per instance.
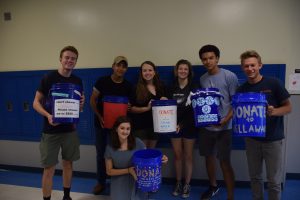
[186, 191]
[209, 193]
[67, 198]
[177, 189]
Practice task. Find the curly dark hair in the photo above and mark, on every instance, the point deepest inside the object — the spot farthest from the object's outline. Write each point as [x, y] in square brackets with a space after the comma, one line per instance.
[209, 48]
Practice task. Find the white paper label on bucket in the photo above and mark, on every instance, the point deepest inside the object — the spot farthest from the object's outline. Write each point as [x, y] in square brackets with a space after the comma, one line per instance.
[164, 118]
[66, 108]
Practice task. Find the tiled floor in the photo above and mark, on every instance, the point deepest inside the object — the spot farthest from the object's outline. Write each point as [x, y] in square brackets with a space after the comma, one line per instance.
[16, 185]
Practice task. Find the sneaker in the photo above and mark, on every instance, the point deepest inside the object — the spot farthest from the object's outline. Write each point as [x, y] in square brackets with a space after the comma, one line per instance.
[177, 189]
[98, 189]
[209, 193]
[186, 191]
[67, 198]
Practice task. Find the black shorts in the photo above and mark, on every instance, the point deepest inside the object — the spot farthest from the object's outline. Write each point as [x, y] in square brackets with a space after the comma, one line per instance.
[146, 134]
[216, 143]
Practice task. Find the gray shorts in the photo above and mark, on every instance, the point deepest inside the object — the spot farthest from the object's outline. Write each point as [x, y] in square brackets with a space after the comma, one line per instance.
[52, 143]
[216, 143]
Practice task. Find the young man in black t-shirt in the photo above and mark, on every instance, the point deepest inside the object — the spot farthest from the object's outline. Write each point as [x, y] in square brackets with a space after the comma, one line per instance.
[113, 85]
[58, 136]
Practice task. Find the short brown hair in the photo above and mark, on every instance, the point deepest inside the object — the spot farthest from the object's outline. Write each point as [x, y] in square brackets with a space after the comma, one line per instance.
[250, 54]
[69, 48]
[209, 48]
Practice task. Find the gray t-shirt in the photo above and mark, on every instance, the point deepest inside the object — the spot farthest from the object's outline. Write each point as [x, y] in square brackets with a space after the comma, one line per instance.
[123, 186]
[227, 83]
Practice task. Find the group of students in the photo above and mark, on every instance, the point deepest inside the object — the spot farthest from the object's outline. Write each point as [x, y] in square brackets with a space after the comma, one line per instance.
[115, 147]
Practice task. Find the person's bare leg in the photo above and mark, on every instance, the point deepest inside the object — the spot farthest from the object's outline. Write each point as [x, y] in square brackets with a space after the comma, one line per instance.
[228, 175]
[177, 148]
[210, 162]
[188, 145]
[67, 173]
[47, 180]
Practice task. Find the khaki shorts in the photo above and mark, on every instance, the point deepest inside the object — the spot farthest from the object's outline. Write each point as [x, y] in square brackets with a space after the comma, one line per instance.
[52, 143]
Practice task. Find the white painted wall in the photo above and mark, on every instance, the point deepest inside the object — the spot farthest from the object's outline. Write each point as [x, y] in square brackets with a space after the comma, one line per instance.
[161, 31]
[22, 153]
[293, 139]
[27, 154]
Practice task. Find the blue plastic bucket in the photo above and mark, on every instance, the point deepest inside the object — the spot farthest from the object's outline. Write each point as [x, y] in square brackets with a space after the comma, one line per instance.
[249, 114]
[164, 113]
[147, 163]
[113, 107]
[65, 102]
[205, 103]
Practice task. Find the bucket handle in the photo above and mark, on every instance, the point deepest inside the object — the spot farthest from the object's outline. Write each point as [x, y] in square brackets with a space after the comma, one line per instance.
[206, 92]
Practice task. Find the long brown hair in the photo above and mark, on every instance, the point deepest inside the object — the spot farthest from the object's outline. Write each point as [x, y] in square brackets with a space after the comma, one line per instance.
[115, 142]
[143, 95]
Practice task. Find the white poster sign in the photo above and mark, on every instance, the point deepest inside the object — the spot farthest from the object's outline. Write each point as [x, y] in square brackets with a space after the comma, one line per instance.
[294, 82]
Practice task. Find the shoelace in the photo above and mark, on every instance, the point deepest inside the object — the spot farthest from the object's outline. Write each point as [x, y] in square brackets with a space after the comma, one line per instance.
[186, 188]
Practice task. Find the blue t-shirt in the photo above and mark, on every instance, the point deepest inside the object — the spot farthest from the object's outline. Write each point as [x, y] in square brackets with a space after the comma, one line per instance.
[227, 83]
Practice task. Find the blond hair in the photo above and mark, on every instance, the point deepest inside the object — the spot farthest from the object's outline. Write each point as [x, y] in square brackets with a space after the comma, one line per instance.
[250, 54]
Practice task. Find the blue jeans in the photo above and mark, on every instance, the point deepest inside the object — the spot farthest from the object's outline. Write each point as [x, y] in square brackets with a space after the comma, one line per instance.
[101, 142]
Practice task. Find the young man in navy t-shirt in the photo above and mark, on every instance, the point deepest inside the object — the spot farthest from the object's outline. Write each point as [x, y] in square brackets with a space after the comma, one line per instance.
[267, 149]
